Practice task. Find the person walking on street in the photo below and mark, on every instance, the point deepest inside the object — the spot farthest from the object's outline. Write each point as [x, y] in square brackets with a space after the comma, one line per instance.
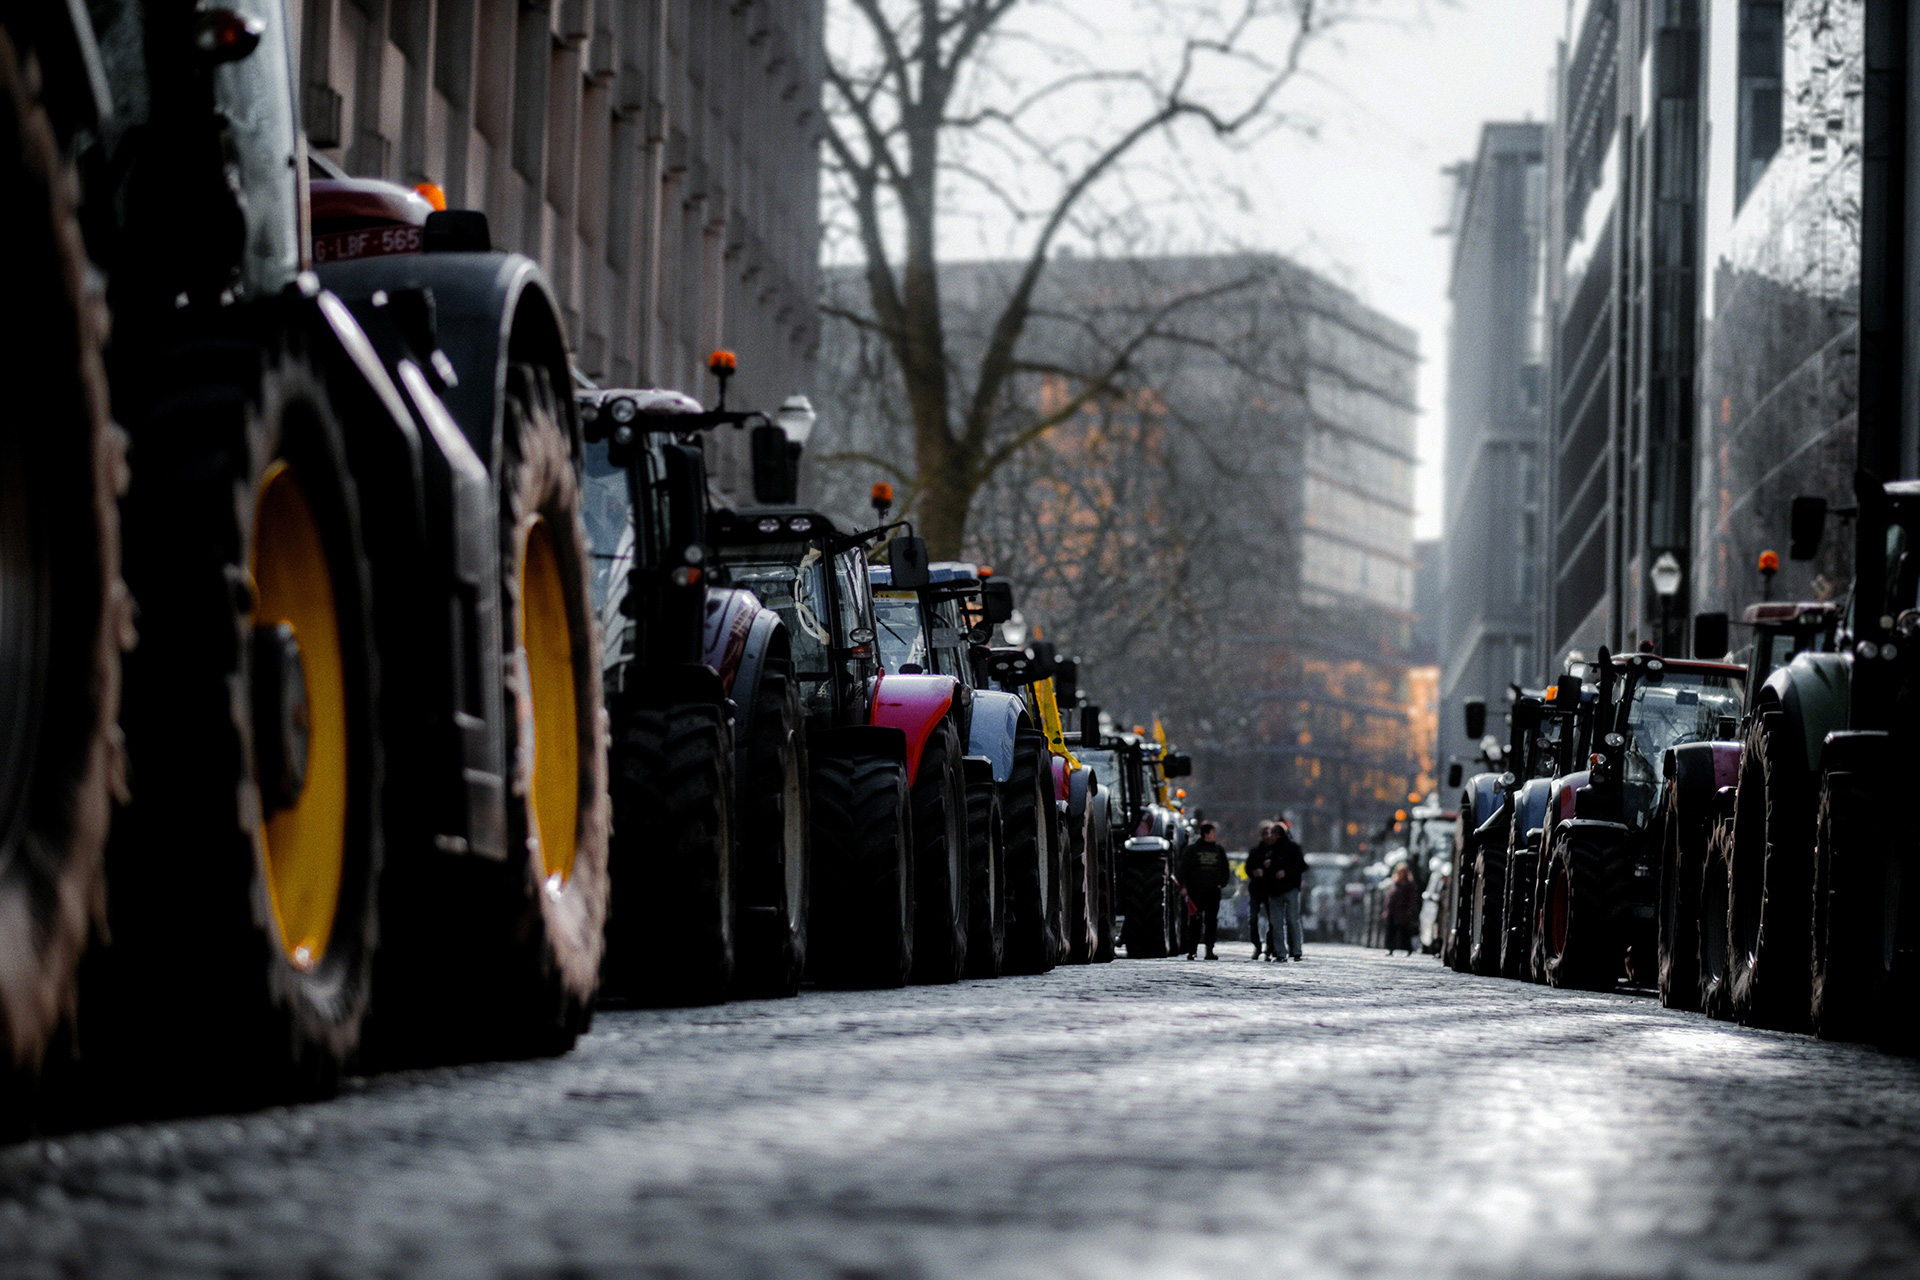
[1262, 860]
[1402, 909]
[1289, 875]
[1205, 871]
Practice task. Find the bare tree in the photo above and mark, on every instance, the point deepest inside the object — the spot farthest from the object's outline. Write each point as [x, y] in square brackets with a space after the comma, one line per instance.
[908, 82]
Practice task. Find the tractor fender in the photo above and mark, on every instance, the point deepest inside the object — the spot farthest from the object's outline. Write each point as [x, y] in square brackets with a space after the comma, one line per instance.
[491, 310]
[1593, 831]
[1565, 788]
[1530, 813]
[741, 636]
[1080, 785]
[915, 705]
[1813, 692]
[858, 741]
[997, 717]
[1700, 769]
[1481, 800]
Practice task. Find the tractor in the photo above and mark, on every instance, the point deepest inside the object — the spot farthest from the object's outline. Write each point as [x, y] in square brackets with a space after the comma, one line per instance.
[1480, 845]
[1598, 890]
[939, 628]
[1819, 923]
[1151, 834]
[343, 802]
[891, 895]
[708, 764]
[1701, 778]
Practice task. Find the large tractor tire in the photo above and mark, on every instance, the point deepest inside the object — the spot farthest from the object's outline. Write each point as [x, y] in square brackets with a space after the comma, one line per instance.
[241, 903]
[1855, 908]
[1027, 802]
[1489, 880]
[770, 929]
[941, 884]
[1080, 894]
[1460, 891]
[1586, 911]
[64, 613]
[1683, 837]
[1713, 933]
[670, 926]
[986, 880]
[500, 958]
[1516, 937]
[1149, 911]
[861, 931]
[1105, 930]
[1771, 881]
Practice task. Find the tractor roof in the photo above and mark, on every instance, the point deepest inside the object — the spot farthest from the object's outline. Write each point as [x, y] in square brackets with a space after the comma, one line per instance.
[1802, 613]
[746, 525]
[942, 573]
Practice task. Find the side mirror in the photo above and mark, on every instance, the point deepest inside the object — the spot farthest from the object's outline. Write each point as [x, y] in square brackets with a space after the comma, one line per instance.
[1090, 727]
[1177, 766]
[1710, 636]
[907, 556]
[1527, 714]
[1066, 682]
[1476, 716]
[1044, 662]
[776, 471]
[1807, 526]
[996, 598]
[1454, 774]
[456, 231]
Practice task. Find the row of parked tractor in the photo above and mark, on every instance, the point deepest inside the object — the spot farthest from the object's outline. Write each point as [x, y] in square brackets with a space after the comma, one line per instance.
[1721, 828]
[375, 690]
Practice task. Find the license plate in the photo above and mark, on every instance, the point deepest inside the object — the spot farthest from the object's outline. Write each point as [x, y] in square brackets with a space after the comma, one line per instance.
[370, 242]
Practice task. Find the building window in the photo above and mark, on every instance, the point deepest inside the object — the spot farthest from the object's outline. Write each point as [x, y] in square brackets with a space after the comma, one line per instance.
[1762, 50]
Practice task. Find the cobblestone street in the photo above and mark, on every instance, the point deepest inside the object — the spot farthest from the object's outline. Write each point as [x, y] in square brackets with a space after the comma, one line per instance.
[1352, 1115]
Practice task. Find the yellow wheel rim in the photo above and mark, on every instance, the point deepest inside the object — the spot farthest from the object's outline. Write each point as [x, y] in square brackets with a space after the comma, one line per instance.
[546, 641]
[306, 843]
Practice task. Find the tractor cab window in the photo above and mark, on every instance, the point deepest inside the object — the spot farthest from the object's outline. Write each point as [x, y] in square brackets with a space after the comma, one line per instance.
[605, 511]
[947, 644]
[902, 640]
[1681, 707]
[796, 590]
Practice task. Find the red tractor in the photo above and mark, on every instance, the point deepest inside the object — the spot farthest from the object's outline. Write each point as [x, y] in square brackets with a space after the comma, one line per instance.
[891, 893]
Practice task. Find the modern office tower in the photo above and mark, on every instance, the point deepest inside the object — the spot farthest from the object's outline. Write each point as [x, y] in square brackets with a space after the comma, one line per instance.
[1490, 599]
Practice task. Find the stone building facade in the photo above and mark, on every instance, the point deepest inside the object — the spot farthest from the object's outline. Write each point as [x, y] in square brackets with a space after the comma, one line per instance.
[659, 158]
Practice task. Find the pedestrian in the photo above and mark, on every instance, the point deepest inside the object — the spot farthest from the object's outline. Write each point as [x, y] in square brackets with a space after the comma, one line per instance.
[1205, 871]
[1402, 909]
[1262, 859]
[1288, 877]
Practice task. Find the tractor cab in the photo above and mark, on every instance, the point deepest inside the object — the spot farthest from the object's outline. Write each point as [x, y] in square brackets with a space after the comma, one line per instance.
[1648, 705]
[940, 627]
[813, 572]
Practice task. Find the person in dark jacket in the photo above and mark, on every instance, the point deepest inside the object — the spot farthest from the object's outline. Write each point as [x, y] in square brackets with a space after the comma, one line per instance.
[1262, 860]
[1402, 909]
[1205, 871]
[1289, 875]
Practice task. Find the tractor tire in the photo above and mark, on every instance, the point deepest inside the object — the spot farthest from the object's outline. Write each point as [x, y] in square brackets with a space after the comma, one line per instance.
[1586, 912]
[485, 958]
[1771, 882]
[1080, 894]
[1714, 931]
[1516, 938]
[242, 879]
[1854, 882]
[670, 924]
[774, 890]
[1149, 913]
[1106, 933]
[1058, 842]
[1027, 803]
[943, 894]
[986, 881]
[1459, 953]
[1489, 879]
[1683, 837]
[860, 933]
[64, 612]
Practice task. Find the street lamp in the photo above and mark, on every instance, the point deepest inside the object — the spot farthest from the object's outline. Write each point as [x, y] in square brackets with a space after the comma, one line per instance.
[1014, 630]
[1666, 584]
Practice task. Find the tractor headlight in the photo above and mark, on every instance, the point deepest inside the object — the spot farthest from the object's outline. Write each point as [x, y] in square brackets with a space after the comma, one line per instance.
[623, 409]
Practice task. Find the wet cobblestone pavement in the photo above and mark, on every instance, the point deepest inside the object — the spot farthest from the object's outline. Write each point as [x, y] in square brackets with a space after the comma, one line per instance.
[1350, 1116]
